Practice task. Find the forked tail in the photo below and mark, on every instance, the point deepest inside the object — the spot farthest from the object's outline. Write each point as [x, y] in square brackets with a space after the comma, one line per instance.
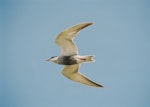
[82, 59]
[89, 58]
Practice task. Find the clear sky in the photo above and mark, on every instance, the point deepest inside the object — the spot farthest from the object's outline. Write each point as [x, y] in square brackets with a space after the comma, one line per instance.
[119, 38]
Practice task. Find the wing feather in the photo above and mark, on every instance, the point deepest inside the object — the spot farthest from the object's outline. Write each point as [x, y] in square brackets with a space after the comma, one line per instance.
[65, 39]
[71, 72]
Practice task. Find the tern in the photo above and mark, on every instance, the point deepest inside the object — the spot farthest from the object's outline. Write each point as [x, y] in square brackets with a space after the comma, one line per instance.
[69, 56]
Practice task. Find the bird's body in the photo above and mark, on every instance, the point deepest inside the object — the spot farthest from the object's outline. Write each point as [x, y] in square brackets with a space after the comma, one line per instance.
[69, 55]
[73, 59]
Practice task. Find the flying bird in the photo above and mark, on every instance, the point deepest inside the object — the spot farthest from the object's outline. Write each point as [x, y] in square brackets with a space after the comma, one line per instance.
[69, 56]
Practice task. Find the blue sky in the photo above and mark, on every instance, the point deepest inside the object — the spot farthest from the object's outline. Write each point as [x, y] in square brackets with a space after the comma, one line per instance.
[119, 38]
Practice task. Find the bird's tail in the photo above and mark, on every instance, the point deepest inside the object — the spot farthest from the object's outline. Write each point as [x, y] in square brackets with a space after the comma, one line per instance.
[89, 58]
[82, 59]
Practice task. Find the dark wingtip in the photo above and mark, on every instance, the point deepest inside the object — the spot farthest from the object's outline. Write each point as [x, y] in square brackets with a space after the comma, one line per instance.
[85, 25]
[99, 86]
[90, 23]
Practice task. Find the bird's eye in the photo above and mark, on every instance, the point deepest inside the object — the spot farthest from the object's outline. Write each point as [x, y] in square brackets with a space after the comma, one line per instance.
[53, 57]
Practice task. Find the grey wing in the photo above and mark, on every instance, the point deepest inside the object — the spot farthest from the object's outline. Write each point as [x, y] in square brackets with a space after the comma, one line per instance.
[71, 72]
[65, 39]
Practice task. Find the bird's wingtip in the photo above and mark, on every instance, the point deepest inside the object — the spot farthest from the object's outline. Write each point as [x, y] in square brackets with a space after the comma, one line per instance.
[89, 23]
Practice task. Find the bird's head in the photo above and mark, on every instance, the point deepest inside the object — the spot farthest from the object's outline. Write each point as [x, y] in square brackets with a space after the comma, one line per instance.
[53, 59]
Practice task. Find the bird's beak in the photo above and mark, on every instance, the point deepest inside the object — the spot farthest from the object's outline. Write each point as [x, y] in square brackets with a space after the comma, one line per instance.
[47, 59]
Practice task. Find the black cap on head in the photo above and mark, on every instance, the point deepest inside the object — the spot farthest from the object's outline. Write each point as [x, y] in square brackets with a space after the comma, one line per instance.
[53, 57]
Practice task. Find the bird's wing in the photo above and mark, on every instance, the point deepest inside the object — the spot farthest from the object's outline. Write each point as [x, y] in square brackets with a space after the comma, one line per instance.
[65, 39]
[71, 72]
